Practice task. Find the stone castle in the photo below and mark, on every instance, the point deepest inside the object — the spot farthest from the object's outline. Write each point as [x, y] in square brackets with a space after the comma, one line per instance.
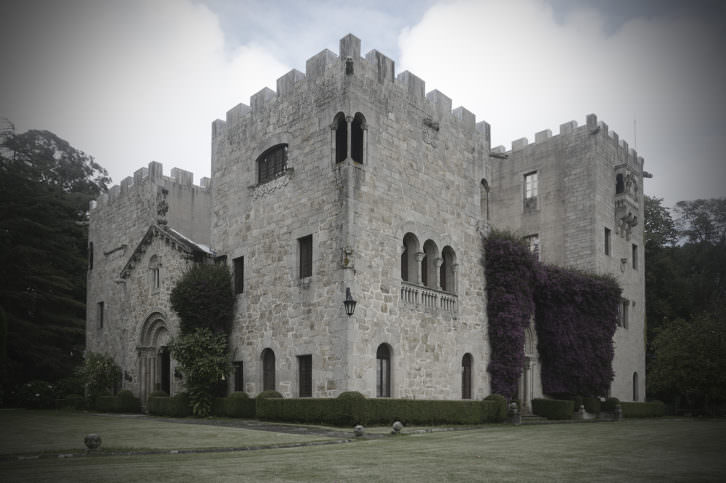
[352, 177]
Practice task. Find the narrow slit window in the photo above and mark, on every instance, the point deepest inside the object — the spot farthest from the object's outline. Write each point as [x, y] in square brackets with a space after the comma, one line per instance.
[305, 248]
[635, 257]
[607, 242]
[239, 275]
[239, 377]
[305, 373]
[99, 314]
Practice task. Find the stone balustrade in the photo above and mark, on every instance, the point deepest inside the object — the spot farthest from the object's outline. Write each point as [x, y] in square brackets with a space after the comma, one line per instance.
[428, 298]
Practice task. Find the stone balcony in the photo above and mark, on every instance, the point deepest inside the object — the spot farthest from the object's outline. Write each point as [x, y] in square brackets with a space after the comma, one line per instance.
[426, 298]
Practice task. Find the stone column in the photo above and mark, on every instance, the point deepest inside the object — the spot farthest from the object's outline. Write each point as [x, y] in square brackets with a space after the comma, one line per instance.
[454, 278]
[437, 272]
[349, 122]
[419, 258]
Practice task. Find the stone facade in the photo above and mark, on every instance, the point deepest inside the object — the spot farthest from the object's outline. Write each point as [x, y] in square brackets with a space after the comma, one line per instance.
[349, 176]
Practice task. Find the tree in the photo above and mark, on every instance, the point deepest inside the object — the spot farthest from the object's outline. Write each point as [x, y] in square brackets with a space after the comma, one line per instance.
[100, 374]
[204, 360]
[690, 361]
[659, 230]
[203, 297]
[703, 221]
[45, 187]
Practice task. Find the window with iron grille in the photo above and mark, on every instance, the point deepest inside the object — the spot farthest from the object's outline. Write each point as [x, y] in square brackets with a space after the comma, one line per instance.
[530, 191]
[239, 275]
[305, 375]
[272, 163]
[305, 249]
[239, 377]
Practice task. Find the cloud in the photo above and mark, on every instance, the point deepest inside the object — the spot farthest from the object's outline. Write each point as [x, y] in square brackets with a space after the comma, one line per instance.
[516, 67]
[128, 82]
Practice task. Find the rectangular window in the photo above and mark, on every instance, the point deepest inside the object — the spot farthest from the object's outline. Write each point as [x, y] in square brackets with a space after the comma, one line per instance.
[305, 249]
[635, 257]
[99, 314]
[239, 275]
[305, 372]
[532, 242]
[530, 191]
[624, 314]
[239, 377]
[607, 241]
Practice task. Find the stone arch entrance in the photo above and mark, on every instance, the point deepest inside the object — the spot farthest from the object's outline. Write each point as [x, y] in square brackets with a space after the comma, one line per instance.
[154, 357]
[526, 381]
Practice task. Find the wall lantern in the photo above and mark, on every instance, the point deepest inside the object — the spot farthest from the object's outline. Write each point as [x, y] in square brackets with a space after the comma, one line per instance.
[349, 302]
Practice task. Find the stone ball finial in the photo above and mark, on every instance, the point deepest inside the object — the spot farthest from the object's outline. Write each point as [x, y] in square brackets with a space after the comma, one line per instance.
[93, 441]
[359, 430]
[397, 427]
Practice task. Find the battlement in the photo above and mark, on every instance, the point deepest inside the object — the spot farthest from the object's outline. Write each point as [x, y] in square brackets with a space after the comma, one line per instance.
[326, 65]
[592, 127]
[151, 175]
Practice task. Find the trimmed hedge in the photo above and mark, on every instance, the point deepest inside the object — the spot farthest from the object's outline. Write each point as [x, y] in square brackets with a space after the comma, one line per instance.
[353, 410]
[270, 393]
[609, 404]
[176, 407]
[553, 408]
[125, 402]
[592, 404]
[653, 409]
[501, 409]
[234, 406]
[72, 401]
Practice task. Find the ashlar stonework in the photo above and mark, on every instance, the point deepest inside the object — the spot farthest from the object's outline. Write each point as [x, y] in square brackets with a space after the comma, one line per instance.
[348, 176]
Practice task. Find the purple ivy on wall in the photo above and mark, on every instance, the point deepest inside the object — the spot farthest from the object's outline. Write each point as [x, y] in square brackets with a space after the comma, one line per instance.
[575, 319]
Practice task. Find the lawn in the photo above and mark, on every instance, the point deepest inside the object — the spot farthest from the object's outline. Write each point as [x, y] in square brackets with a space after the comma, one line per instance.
[639, 450]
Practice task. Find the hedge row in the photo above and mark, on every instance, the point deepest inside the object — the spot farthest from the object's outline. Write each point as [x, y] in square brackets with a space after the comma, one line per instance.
[124, 402]
[72, 401]
[231, 407]
[553, 408]
[643, 409]
[346, 412]
[176, 407]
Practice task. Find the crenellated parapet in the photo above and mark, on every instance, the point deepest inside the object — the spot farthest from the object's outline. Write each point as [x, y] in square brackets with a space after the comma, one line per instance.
[325, 68]
[626, 156]
[145, 177]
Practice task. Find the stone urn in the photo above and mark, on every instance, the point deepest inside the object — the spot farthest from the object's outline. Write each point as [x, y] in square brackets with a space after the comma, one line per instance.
[397, 427]
[359, 430]
[93, 441]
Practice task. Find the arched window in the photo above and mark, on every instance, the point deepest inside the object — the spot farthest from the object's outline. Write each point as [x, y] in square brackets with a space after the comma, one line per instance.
[341, 137]
[383, 371]
[447, 273]
[619, 184]
[466, 363]
[268, 370]
[357, 138]
[429, 272]
[409, 266]
[635, 386]
[272, 163]
[155, 273]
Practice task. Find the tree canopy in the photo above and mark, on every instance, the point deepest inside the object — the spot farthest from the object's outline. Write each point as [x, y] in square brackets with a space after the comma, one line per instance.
[203, 298]
[45, 187]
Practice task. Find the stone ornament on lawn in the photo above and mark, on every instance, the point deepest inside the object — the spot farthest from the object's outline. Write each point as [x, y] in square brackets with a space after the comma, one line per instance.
[358, 430]
[93, 441]
[397, 426]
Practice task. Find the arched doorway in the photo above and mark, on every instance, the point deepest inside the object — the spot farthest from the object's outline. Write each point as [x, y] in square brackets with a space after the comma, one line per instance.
[154, 357]
[526, 381]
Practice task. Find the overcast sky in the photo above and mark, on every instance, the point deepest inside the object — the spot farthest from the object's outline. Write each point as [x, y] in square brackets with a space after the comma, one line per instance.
[134, 81]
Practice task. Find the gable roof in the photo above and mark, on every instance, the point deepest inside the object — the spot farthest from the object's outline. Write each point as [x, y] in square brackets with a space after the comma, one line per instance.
[176, 240]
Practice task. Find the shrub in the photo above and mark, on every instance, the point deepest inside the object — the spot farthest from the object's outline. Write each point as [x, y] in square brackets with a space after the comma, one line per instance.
[592, 404]
[203, 298]
[105, 404]
[553, 408]
[175, 407]
[36, 395]
[127, 402]
[610, 404]
[270, 393]
[351, 395]
[500, 408]
[100, 374]
[651, 409]
[237, 405]
[71, 401]
[68, 386]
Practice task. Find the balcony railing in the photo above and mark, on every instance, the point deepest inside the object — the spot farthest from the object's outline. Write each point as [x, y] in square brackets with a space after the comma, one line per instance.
[428, 298]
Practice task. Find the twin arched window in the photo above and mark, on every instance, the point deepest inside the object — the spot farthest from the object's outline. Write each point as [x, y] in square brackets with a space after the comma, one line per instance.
[427, 267]
[357, 125]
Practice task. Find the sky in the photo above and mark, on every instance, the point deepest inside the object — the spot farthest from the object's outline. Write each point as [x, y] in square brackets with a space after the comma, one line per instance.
[140, 80]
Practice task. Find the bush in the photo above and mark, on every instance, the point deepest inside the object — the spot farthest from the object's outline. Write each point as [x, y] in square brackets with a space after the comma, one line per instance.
[592, 404]
[127, 402]
[610, 404]
[351, 395]
[175, 407]
[156, 394]
[36, 395]
[553, 408]
[72, 401]
[203, 298]
[500, 410]
[237, 405]
[100, 374]
[68, 386]
[651, 409]
[270, 393]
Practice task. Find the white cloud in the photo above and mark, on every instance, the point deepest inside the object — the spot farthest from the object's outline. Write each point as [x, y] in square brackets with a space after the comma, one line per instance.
[128, 82]
[514, 66]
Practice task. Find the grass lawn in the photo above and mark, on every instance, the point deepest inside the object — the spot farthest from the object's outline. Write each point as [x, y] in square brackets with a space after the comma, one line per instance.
[660, 449]
[27, 432]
